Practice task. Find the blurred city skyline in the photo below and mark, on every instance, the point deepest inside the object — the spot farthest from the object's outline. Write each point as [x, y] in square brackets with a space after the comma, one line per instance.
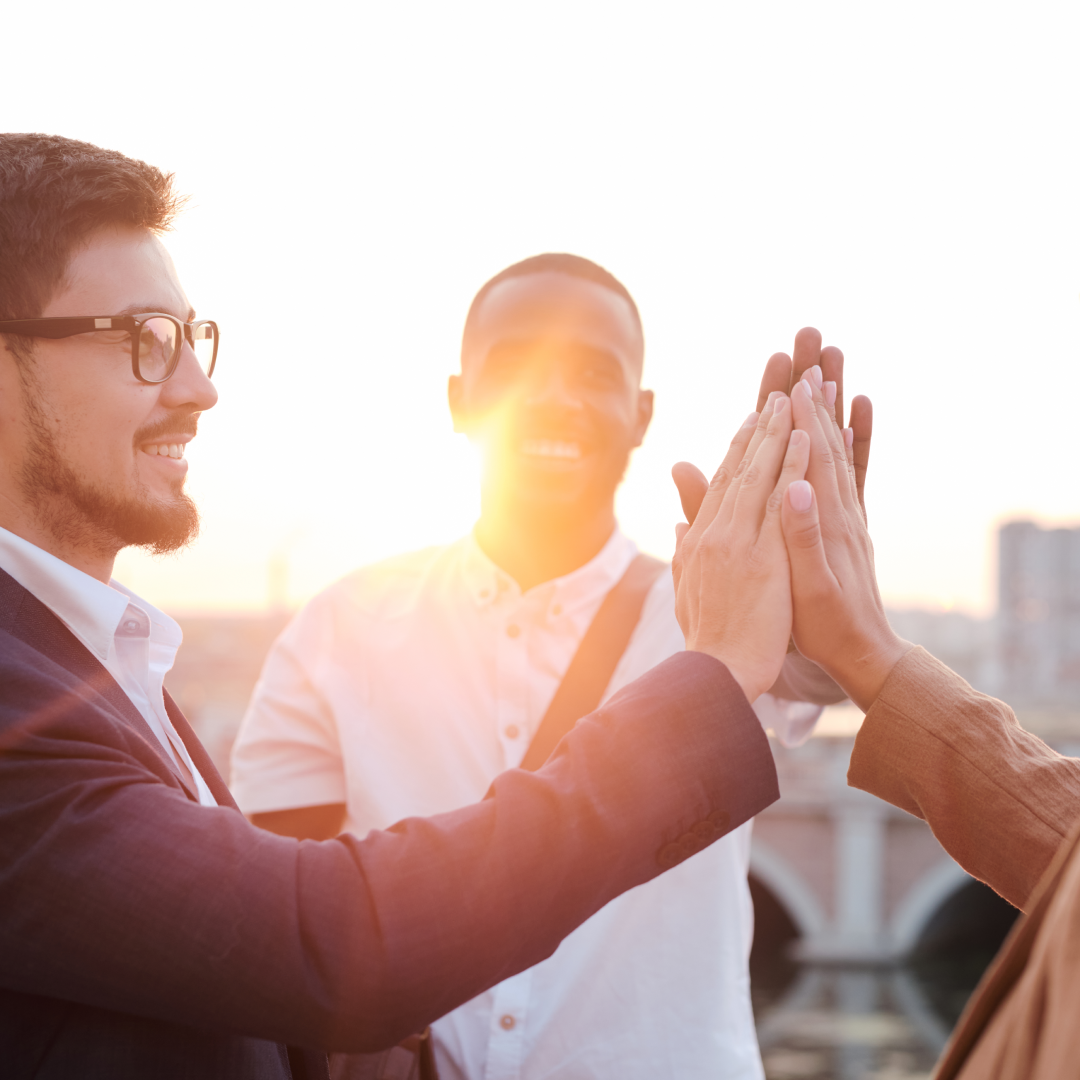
[904, 179]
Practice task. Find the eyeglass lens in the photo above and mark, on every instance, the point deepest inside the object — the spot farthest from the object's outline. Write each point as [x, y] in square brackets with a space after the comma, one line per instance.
[160, 344]
[203, 343]
[157, 348]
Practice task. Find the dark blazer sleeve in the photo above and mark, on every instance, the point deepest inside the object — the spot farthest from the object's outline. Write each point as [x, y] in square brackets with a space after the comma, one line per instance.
[117, 891]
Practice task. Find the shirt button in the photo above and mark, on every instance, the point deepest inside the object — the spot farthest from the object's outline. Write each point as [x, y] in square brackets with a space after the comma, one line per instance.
[507, 1022]
[131, 626]
[513, 631]
[511, 731]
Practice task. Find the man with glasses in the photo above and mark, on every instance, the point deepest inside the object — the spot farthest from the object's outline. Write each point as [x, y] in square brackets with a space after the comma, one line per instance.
[146, 928]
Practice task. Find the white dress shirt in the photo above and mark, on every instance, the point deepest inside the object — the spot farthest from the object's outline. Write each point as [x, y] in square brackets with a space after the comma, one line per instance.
[134, 641]
[404, 689]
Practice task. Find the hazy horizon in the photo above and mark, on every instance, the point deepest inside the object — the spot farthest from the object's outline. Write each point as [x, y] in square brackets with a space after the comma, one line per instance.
[905, 179]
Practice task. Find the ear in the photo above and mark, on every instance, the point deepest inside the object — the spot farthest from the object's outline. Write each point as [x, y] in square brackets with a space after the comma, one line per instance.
[455, 395]
[644, 415]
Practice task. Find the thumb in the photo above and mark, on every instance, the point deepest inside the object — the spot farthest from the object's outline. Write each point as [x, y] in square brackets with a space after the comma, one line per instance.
[692, 485]
[810, 573]
[681, 529]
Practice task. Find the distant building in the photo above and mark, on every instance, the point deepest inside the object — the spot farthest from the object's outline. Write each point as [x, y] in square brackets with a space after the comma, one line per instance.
[961, 641]
[1038, 624]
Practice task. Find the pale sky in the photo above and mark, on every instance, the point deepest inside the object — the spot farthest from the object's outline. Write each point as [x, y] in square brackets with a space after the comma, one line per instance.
[904, 177]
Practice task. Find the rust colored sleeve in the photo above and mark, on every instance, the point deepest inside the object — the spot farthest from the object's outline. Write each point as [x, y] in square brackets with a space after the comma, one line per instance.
[998, 799]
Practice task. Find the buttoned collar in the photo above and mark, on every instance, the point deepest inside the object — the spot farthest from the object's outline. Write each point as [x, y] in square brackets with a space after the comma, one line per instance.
[95, 613]
[489, 585]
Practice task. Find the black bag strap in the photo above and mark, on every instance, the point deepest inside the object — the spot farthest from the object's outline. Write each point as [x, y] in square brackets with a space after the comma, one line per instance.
[595, 661]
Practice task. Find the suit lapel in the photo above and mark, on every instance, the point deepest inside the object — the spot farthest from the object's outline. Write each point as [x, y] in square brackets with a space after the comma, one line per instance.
[199, 757]
[25, 617]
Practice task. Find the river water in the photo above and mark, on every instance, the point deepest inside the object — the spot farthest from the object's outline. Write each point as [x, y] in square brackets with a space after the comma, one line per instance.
[837, 1023]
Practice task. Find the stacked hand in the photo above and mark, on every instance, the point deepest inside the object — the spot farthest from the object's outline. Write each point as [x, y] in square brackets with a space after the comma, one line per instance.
[732, 581]
[743, 584]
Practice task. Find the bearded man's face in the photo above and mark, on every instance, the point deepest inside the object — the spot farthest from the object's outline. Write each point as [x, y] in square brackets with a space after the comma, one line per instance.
[94, 456]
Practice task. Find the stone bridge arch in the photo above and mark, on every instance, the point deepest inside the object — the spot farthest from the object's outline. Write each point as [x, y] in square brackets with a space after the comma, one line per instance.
[859, 879]
[789, 888]
[921, 903]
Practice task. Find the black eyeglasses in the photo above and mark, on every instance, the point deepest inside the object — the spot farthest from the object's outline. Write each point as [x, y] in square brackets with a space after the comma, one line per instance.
[156, 339]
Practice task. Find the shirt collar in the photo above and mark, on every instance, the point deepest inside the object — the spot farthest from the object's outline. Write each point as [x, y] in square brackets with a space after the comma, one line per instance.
[486, 582]
[89, 608]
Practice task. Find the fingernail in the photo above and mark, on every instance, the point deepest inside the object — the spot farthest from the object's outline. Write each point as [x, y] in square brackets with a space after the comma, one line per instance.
[803, 387]
[751, 420]
[815, 374]
[801, 495]
[829, 391]
[779, 405]
[849, 437]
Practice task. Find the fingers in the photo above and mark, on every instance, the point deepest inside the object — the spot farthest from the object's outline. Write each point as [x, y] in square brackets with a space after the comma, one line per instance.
[806, 354]
[823, 394]
[832, 371]
[796, 461]
[828, 469]
[862, 427]
[765, 457]
[777, 377]
[709, 506]
[692, 485]
[811, 576]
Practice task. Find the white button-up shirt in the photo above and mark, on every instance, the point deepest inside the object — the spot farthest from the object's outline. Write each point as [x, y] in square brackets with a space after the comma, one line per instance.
[404, 690]
[134, 641]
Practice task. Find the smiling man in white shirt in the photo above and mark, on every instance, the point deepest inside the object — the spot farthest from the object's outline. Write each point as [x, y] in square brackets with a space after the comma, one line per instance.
[407, 687]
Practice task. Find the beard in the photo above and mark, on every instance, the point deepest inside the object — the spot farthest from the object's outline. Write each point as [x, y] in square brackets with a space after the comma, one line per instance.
[82, 514]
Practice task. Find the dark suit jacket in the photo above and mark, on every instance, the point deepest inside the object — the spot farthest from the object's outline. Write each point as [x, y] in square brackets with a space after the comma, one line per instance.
[145, 936]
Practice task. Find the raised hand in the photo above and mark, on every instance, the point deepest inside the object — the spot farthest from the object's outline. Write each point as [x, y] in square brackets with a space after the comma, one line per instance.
[732, 578]
[781, 375]
[838, 619]
[782, 372]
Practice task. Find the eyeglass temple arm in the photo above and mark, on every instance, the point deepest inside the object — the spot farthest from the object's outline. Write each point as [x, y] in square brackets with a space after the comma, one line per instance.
[65, 327]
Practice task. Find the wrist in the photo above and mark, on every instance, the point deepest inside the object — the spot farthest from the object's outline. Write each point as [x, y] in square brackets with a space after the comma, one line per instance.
[868, 665]
[741, 671]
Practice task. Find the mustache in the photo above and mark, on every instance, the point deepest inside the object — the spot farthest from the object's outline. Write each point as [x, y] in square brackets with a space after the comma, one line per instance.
[178, 423]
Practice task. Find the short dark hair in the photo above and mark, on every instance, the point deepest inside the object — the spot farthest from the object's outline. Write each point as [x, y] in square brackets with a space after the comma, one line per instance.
[552, 262]
[53, 193]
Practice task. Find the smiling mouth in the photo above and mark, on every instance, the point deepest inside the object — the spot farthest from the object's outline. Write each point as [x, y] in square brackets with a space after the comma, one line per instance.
[169, 450]
[551, 449]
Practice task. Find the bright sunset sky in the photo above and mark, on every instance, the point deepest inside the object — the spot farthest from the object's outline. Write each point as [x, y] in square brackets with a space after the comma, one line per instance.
[904, 177]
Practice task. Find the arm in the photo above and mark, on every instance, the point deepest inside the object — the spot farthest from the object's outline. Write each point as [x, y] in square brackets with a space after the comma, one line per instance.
[997, 798]
[119, 892]
[303, 822]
